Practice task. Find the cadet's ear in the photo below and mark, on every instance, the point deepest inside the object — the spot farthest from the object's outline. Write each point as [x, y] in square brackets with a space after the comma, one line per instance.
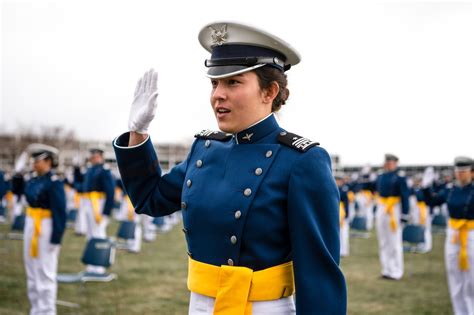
[271, 92]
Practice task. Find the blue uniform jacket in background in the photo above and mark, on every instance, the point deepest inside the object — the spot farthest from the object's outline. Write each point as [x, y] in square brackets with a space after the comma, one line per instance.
[460, 200]
[47, 192]
[3, 186]
[392, 184]
[97, 178]
[249, 201]
[343, 190]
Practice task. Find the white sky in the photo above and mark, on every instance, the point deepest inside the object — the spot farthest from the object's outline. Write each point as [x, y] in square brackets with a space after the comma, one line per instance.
[375, 76]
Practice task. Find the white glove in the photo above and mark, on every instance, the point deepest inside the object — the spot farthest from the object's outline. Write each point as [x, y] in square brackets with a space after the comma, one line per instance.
[144, 103]
[21, 162]
[428, 177]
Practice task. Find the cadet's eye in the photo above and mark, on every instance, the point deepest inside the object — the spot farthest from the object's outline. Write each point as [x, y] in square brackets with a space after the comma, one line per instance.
[214, 83]
[233, 82]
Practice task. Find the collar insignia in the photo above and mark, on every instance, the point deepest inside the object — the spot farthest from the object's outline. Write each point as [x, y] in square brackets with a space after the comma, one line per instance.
[247, 136]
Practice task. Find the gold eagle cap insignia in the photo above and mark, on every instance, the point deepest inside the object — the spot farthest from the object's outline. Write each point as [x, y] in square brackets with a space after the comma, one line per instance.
[218, 37]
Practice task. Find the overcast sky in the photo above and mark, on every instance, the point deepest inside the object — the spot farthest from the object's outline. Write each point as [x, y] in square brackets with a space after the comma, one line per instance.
[375, 76]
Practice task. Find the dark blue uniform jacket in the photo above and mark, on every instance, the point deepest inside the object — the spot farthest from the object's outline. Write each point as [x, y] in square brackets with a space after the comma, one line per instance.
[391, 184]
[47, 192]
[281, 204]
[98, 178]
[460, 200]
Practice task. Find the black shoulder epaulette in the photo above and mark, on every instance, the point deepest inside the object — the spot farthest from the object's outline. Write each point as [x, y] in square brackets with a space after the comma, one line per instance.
[213, 135]
[296, 142]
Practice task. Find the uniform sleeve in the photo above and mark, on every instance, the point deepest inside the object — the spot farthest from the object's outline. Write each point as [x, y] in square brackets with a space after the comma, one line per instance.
[313, 216]
[151, 192]
[78, 179]
[435, 198]
[108, 184]
[57, 198]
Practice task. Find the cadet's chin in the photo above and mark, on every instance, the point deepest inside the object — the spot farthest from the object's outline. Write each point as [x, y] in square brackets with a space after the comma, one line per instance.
[224, 127]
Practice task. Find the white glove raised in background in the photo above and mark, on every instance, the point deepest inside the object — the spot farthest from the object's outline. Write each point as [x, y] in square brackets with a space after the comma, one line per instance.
[144, 103]
[428, 177]
[21, 162]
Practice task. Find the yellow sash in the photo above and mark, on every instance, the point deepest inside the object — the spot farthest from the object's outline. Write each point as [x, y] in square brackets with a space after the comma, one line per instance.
[235, 287]
[94, 197]
[462, 226]
[342, 213]
[350, 196]
[9, 199]
[422, 207]
[77, 199]
[368, 194]
[37, 214]
[131, 209]
[389, 203]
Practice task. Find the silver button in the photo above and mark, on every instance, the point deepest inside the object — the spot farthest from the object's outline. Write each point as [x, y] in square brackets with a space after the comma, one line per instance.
[198, 163]
[258, 171]
[237, 214]
[189, 183]
[184, 230]
[230, 262]
[247, 192]
[183, 205]
[233, 239]
[283, 133]
[207, 143]
[269, 153]
[189, 254]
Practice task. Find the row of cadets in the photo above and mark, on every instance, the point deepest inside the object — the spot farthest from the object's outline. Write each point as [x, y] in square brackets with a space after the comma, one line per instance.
[44, 227]
[459, 244]
[80, 226]
[97, 200]
[438, 185]
[71, 194]
[3, 191]
[420, 212]
[343, 214]
[127, 213]
[351, 184]
[364, 196]
[392, 209]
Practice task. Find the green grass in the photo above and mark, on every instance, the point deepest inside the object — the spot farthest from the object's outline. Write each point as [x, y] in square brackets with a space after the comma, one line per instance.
[154, 281]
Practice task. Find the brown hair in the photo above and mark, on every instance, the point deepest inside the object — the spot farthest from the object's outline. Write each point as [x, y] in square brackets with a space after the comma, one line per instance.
[266, 75]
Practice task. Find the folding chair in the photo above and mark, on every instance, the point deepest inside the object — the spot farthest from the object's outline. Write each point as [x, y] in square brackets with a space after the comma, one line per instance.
[125, 232]
[98, 252]
[438, 224]
[359, 227]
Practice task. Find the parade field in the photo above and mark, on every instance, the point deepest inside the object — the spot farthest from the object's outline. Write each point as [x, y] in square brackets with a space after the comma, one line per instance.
[154, 281]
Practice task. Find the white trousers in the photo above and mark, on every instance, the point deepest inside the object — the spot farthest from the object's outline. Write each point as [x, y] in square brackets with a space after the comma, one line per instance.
[344, 238]
[41, 271]
[95, 229]
[204, 305]
[19, 205]
[390, 243]
[427, 245]
[149, 229]
[460, 283]
[80, 226]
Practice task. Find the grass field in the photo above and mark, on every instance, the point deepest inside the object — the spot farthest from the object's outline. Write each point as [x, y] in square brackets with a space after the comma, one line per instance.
[154, 281]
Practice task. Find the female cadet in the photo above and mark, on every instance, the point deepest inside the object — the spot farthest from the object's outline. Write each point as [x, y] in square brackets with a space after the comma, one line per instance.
[260, 206]
[459, 245]
[44, 228]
